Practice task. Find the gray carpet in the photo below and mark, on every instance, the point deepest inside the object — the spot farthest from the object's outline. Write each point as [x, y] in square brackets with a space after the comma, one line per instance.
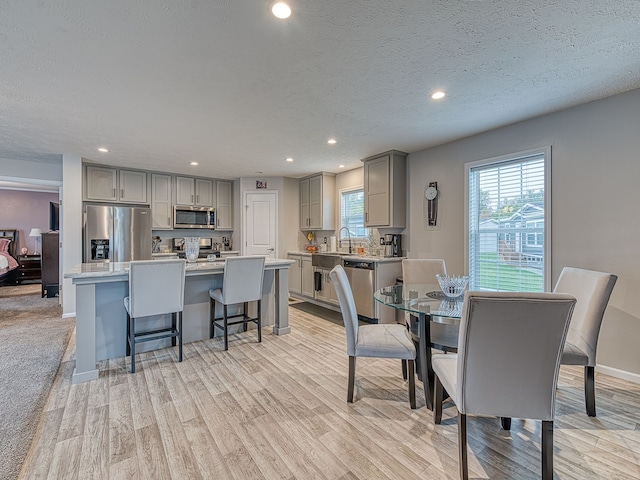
[33, 339]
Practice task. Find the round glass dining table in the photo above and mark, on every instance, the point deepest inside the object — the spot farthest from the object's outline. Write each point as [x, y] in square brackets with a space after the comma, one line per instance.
[426, 305]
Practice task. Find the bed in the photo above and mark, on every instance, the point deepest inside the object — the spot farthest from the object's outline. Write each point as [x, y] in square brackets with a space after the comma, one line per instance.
[8, 257]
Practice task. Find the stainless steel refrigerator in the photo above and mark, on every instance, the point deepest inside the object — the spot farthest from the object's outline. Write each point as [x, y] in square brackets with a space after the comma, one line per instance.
[116, 234]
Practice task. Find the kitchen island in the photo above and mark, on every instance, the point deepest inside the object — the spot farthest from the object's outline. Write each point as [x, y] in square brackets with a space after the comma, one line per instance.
[101, 318]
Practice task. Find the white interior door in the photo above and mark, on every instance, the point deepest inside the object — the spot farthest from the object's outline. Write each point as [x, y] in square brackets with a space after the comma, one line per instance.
[261, 232]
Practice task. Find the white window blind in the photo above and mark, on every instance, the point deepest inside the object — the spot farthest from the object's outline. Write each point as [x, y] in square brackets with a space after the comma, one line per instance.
[508, 223]
[352, 214]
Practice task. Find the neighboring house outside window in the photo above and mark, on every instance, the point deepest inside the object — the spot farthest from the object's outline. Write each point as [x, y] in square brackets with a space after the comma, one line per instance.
[508, 222]
[352, 214]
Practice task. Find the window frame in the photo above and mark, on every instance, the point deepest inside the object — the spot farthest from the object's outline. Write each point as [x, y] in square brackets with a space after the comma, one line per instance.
[341, 193]
[510, 158]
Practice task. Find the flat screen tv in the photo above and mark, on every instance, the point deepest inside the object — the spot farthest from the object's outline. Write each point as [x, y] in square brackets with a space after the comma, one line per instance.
[54, 217]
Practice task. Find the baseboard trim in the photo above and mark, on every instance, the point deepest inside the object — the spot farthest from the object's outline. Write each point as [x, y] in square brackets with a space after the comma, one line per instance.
[69, 315]
[621, 374]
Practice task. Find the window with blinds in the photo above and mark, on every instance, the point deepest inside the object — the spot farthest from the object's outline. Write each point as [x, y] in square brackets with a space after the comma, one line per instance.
[508, 222]
[352, 214]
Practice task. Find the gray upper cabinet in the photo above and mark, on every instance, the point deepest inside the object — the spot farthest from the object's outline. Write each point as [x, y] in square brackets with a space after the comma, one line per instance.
[113, 185]
[194, 191]
[161, 203]
[224, 200]
[317, 200]
[133, 186]
[385, 190]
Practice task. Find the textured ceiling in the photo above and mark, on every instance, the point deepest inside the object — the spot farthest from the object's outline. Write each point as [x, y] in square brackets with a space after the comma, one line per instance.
[164, 82]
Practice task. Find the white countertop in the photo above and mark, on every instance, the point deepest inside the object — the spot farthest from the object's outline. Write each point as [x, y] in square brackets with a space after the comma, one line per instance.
[116, 269]
[364, 258]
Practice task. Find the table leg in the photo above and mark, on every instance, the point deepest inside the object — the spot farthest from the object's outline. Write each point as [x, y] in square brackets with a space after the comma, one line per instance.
[424, 356]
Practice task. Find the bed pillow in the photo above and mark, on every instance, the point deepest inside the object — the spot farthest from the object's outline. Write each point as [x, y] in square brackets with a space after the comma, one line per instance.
[4, 244]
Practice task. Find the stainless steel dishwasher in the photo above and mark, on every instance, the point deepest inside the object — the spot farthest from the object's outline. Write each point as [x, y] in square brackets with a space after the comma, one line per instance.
[361, 275]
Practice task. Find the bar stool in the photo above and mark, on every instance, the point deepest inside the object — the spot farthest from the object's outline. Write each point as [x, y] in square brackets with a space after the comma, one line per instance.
[156, 287]
[242, 283]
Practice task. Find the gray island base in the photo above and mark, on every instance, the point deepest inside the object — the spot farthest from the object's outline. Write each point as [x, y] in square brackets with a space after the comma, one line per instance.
[101, 318]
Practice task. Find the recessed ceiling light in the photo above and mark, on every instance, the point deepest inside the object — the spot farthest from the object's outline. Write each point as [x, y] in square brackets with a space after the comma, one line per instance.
[331, 141]
[289, 159]
[280, 10]
[193, 164]
[340, 166]
[437, 95]
[103, 150]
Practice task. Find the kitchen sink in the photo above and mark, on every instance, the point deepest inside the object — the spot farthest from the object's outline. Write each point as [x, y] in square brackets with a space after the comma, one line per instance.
[326, 260]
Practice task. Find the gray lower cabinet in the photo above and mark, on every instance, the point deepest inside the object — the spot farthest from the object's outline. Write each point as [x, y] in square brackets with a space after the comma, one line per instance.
[326, 293]
[301, 275]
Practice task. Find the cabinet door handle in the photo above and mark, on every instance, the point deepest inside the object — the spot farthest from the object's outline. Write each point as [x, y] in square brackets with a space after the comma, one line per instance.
[191, 198]
[197, 198]
[122, 193]
[169, 221]
[366, 216]
[114, 193]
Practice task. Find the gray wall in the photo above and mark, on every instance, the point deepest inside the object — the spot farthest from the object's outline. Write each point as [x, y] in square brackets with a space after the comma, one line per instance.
[595, 197]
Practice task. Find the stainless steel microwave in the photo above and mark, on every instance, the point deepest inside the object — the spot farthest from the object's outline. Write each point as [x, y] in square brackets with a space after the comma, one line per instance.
[194, 217]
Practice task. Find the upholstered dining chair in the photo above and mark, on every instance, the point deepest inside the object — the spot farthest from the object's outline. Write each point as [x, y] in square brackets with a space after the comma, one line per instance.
[423, 271]
[379, 341]
[241, 284]
[156, 287]
[507, 363]
[592, 291]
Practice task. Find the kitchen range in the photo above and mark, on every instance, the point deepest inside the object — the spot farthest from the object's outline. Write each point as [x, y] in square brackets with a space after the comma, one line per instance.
[207, 247]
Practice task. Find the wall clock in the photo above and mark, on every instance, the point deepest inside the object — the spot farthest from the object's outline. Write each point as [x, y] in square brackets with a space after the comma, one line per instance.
[431, 194]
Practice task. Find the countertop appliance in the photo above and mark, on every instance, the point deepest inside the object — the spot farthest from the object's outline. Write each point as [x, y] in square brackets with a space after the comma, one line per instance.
[116, 234]
[361, 275]
[392, 245]
[194, 217]
[206, 247]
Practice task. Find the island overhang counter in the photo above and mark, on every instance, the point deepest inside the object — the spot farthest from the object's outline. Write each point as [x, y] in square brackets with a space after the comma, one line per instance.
[101, 317]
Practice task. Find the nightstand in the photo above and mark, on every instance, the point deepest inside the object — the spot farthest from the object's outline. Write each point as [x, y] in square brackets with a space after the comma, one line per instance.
[29, 268]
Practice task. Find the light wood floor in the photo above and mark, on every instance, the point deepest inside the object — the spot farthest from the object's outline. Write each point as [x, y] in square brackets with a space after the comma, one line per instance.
[278, 410]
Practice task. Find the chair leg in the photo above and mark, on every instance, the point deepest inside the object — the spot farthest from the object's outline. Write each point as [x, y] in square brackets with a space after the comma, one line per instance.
[590, 390]
[128, 346]
[352, 379]
[404, 370]
[462, 446]
[547, 450]
[505, 422]
[179, 315]
[259, 321]
[245, 314]
[212, 315]
[412, 383]
[437, 401]
[173, 327]
[132, 342]
[226, 333]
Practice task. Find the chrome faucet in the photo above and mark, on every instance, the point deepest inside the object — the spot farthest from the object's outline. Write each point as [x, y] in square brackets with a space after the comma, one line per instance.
[348, 236]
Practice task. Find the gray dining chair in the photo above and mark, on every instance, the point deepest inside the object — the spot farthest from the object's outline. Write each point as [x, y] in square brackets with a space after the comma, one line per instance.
[423, 271]
[156, 287]
[507, 363]
[592, 291]
[241, 284]
[378, 340]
